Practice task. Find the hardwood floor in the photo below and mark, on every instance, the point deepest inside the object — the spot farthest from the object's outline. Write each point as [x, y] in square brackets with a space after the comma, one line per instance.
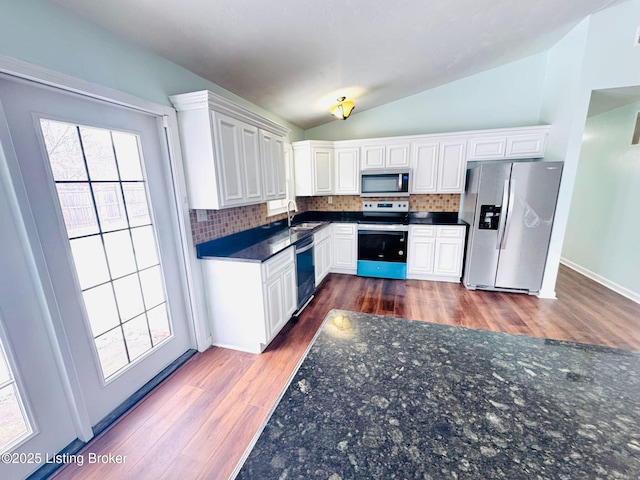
[198, 423]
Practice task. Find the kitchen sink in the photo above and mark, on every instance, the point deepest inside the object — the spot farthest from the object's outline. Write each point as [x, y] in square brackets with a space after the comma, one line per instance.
[305, 226]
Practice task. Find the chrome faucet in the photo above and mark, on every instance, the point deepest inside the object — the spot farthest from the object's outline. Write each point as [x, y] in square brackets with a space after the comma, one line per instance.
[289, 216]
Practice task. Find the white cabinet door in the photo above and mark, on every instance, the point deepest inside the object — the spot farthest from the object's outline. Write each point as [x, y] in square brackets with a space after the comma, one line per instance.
[489, 148]
[328, 256]
[420, 256]
[322, 169]
[229, 160]
[452, 166]
[250, 151]
[424, 167]
[448, 257]
[347, 171]
[281, 166]
[373, 156]
[319, 261]
[274, 304]
[397, 155]
[290, 290]
[322, 260]
[421, 250]
[272, 148]
[526, 146]
[345, 247]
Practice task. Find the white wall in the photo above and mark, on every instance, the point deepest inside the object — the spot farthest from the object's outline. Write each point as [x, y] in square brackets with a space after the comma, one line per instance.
[598, 53]
[602, 232]
[506, 96]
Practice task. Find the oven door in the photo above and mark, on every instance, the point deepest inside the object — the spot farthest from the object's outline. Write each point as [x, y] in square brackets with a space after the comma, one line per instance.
[382, 253]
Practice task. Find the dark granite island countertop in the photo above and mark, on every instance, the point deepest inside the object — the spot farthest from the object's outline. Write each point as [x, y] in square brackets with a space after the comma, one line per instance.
[386, 398]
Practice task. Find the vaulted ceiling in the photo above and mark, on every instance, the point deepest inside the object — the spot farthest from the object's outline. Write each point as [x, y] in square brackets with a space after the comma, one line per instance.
[294, 58]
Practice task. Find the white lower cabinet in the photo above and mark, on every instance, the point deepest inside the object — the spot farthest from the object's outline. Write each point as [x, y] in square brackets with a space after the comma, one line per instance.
[420, 256]
[249, 302]
[322, 253]
[345, 248]
[435, 252]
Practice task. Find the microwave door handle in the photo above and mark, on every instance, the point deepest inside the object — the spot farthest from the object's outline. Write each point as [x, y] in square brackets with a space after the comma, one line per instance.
[399, 182]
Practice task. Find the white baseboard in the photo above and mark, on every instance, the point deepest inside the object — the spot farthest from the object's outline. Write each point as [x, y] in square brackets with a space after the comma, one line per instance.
[625, 292]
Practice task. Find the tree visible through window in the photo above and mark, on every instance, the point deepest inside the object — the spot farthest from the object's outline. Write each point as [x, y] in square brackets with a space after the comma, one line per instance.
[101, 188]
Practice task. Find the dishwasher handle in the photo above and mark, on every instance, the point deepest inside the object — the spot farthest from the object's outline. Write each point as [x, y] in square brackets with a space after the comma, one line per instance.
[304, 246]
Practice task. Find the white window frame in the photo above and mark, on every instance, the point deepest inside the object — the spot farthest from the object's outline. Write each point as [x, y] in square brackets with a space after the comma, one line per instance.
[14, 379]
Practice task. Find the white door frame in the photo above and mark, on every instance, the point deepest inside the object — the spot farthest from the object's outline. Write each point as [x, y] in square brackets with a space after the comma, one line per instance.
[192, 279]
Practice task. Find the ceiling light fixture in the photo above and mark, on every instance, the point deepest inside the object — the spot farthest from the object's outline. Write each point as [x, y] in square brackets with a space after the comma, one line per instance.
[343, 108]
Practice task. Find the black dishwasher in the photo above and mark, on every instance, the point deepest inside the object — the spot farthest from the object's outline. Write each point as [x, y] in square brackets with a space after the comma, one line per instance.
[305, 272]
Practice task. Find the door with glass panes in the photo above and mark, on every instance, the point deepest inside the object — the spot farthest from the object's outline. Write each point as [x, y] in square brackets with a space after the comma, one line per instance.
[99, 194]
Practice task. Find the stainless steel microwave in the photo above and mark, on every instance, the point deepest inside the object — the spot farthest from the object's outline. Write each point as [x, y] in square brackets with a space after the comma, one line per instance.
[384, 183]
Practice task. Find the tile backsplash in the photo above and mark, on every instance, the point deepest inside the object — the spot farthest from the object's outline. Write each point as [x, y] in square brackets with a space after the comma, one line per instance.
[353, 203]
[232, 220]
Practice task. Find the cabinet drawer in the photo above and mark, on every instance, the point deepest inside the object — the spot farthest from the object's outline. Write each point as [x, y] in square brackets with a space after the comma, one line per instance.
[449, 232]
[422, 231]
[322, 234]
[344, 229]
[278, 263]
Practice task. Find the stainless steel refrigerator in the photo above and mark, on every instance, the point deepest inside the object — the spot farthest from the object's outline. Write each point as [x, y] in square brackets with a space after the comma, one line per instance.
[509, 207]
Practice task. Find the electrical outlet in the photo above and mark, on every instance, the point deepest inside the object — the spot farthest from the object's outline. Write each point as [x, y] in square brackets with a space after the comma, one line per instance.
[201, 215]
[330, 199]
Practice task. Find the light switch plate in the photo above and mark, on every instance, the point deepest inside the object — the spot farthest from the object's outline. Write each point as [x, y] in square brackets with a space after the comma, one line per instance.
[201, 215]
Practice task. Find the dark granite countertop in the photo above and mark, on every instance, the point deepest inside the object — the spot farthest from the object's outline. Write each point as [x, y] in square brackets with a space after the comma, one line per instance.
[254, 245]
[387, 398]
[261, 243]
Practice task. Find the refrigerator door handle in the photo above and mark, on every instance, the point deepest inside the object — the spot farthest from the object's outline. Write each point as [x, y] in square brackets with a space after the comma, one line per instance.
[503, 215]
[509, 214]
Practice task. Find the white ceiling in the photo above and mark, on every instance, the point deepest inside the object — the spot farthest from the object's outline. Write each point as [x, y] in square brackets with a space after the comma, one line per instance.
[293, 58]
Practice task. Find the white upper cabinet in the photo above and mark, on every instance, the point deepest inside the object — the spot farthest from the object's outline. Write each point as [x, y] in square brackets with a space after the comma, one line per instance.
[232, 156]
[273, 166]
[438, 162]
[388, 155]
[252, 164]
[347, 170]
[373, 156]
[452, 165]
[438, 166]
[313, 166]
[424, 167]
[529, 142]
[323, 170]
[397, 155]
[231, 164]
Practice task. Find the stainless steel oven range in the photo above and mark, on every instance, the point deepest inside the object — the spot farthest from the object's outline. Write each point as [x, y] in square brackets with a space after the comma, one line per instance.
[382, 240]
